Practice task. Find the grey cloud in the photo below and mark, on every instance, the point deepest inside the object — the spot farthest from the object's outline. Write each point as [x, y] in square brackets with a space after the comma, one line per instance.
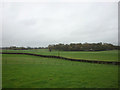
[41, 24]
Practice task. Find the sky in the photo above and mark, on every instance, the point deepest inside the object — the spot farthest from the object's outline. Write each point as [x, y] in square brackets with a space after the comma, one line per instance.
[40, 24]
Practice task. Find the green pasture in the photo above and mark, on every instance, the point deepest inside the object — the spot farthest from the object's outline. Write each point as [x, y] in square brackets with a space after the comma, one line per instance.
[23, 71]
[87, 55]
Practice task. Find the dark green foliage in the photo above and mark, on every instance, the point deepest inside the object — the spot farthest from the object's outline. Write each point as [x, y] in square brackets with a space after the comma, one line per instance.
[23, 48]
[84, 47]
[71, 47]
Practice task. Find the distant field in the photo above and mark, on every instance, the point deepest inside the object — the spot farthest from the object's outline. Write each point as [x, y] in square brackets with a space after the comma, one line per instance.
[22, 71]
[88, 55]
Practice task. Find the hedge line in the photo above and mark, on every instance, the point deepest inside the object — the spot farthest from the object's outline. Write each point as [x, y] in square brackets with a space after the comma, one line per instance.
[70, 59]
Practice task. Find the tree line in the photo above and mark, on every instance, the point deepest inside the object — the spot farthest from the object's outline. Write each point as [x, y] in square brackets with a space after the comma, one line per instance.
[72, 47]
[22, 48]
[83, 47]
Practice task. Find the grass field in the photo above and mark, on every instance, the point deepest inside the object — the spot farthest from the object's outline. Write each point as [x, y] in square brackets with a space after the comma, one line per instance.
[23, 71]
[88, 55]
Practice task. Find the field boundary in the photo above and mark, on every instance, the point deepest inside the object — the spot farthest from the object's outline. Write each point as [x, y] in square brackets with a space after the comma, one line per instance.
[70, 59]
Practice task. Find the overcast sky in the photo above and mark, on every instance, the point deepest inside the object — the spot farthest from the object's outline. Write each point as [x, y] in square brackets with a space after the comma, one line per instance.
[41, 24]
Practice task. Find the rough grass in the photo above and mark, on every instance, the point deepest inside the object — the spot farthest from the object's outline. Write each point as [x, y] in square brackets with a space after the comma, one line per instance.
[87, 55]
[23, 71]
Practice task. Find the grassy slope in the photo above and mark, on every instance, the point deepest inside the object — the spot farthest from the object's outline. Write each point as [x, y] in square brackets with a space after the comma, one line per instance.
[35, 72]
[88, 55]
